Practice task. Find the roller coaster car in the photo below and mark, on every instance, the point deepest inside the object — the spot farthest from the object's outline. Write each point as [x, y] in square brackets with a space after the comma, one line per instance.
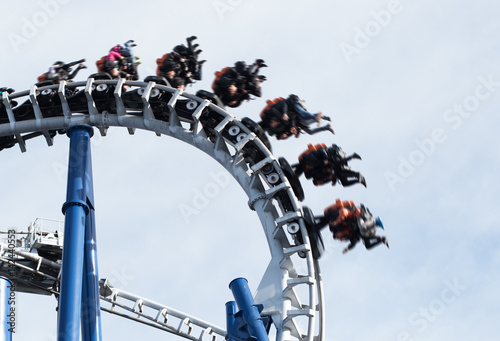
[101, 75]
[273, 179]
[4, 118]
[210, 96]
[103, 94]
[314, 233]
[22, 112]
[48, 100]
[233, 132]
[185, 109]
[211, 119]
[158, 99]
[157, 79]
[7, 142]
[293, 179]
[251, 152]
[78, 102]
[258, 131]
[10, 141]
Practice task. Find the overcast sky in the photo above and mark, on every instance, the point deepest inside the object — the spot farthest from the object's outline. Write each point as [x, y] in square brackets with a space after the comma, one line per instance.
[411, 86]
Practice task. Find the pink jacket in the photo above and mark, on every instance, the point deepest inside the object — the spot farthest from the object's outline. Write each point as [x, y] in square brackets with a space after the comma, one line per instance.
[114, 54]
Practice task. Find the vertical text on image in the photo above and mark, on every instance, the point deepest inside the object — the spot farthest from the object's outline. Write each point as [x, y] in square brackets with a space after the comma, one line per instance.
[11, 245]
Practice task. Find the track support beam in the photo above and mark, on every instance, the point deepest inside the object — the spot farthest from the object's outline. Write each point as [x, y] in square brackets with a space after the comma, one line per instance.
[248, 316]
[79, 246]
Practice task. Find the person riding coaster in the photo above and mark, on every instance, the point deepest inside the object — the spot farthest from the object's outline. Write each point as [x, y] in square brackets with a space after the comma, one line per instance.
[60, 71]
[233, 85]
[131, 61]
[181, 66]
[349, 223]
[325, 164]
[285, 117]
[120, 62]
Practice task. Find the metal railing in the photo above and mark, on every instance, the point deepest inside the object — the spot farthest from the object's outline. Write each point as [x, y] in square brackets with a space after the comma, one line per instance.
[44, 231]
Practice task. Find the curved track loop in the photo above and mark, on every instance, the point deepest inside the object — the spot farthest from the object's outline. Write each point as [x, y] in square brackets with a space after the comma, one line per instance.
[291, 289]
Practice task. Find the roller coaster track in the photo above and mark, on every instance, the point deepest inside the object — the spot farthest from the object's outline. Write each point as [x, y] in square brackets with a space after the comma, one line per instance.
[39, 275]
[291, 288]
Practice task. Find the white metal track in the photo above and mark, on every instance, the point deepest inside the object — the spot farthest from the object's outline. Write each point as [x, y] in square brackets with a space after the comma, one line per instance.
[291, 289]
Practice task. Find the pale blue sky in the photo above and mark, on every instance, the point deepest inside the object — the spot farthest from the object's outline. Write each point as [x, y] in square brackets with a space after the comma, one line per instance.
[415, 65]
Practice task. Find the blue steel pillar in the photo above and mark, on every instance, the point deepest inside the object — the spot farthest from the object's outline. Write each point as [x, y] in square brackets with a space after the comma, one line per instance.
[230, 319]
[91, 310]
[248, 309]
[5, 319]
[75, 209]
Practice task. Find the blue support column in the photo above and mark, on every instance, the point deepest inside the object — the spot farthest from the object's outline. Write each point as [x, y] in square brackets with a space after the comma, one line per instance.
[91, 309]
[230, 319]
[75, 209]
[6, 318]
[248, 309]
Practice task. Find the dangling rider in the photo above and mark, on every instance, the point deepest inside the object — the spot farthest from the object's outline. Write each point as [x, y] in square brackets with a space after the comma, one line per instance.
[367, 225]
[351, 224]
[285, 117]
[328, 164]
[181, 66]
[233, 85]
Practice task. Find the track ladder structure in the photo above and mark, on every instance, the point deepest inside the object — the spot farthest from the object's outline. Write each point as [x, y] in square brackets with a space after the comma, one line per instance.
[157, 315]
[291, 290]
[39, 275]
